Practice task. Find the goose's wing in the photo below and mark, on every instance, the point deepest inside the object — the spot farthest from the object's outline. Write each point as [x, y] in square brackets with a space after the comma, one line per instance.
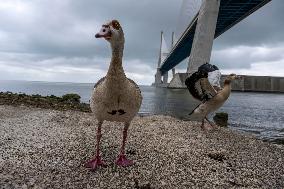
[199, 86]
[208, 90]
[138, 94]
[194, 86]
[136, 86]
[100, 81]
[212, 82]
[207, 85]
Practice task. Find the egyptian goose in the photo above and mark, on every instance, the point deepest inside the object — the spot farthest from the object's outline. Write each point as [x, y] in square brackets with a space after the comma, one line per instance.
[200, 88]
[115, 97]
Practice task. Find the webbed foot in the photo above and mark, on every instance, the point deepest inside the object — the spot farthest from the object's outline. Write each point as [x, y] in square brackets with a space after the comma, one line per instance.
[123, 161]
[93, 164]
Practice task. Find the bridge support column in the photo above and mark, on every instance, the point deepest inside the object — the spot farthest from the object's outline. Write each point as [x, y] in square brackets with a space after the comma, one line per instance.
[172, 46]
[165, 77]
[204, 35]
[173, 71]
[158, 77]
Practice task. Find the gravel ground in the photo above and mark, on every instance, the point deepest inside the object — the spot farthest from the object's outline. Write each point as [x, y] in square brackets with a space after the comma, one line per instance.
[47, 149]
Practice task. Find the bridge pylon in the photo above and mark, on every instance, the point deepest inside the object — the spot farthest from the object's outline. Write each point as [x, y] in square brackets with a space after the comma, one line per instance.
[162, 80]
[204, 34]
[212, 19]
[172, 46]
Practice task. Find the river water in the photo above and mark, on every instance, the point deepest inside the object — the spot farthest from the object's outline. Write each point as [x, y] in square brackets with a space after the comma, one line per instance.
[261, 114]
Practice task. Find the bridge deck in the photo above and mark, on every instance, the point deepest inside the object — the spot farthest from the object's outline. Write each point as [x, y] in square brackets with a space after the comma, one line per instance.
[231, 12]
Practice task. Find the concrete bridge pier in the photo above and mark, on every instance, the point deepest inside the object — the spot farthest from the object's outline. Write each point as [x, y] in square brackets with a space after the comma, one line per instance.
[165, 78]
[161, 80]
[202, 42]
[173, 72]
[158, 77]
[172, 46]
[204, 34]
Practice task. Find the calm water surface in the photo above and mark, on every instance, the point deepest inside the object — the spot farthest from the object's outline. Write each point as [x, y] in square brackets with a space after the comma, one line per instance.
[258, 113]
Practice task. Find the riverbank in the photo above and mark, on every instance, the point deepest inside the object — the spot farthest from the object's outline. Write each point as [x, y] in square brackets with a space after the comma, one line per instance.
[47, 149]
[65, 102]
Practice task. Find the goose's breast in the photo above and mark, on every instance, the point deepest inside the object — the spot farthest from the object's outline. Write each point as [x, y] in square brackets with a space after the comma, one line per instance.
[215, 103]
[115, 105]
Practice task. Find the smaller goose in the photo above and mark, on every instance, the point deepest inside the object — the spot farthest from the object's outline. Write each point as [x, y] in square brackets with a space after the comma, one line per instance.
[201, 89]
[115, 97]
[205, 83]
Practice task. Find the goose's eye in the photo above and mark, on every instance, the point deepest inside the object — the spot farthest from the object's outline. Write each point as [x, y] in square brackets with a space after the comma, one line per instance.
[104, 30]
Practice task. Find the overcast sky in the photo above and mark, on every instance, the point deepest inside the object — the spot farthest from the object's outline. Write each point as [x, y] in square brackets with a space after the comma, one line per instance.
[53, 40]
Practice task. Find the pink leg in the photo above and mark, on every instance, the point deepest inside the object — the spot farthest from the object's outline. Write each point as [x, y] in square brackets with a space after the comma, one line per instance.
[212, 124]
[122, 160]
[93, 164]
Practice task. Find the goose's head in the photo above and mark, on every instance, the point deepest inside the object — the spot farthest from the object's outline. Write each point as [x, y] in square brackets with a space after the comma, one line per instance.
[112, 32]
[231, 77]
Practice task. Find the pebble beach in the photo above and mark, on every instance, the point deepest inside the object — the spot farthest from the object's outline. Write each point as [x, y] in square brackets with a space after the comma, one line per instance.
[44, 148]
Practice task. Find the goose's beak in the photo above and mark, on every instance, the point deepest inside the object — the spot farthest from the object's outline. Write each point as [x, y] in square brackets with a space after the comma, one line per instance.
[106, 35]
[98, 35]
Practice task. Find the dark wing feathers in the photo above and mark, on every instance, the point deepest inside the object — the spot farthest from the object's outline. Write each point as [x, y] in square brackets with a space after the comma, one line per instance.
[190, 84]
[199, 86]
[194, 86]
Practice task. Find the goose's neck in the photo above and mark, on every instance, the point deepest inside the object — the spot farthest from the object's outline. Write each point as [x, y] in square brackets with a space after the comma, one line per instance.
[117, 51]
[115, 72]
[226, 89]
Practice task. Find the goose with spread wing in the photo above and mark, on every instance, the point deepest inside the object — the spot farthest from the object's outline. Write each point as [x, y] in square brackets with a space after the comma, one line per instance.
[204, 86]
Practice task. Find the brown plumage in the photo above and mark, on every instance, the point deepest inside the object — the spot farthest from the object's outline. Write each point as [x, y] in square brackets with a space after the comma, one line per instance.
[115, 97]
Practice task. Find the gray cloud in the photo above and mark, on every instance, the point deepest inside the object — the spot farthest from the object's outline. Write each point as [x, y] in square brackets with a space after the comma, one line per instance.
[243, 56]
[67, 27]
[43, 37]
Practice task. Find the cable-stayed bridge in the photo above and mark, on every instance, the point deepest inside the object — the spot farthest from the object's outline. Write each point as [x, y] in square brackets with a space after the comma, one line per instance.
[201, 21]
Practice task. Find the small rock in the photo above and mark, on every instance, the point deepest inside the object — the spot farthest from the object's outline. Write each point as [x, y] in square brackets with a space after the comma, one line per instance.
[217, 155]
[221, 119]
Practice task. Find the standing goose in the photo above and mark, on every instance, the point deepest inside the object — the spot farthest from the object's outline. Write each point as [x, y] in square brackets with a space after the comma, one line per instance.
[115, 97]
[200, 88]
